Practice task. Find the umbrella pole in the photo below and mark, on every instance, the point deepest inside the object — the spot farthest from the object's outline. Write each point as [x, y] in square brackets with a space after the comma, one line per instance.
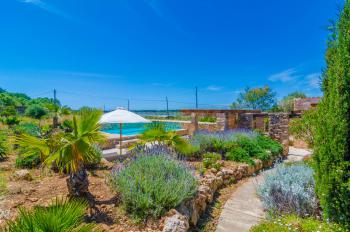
[120, 138]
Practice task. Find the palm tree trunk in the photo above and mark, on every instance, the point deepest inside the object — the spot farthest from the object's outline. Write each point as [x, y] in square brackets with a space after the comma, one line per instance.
[78, 183]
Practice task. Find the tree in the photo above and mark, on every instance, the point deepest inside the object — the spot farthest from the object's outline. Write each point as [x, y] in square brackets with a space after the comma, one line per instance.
[332, 142]
[36, 111]
[256, 98]
[287, 103]
[58, 111]
[72, 151]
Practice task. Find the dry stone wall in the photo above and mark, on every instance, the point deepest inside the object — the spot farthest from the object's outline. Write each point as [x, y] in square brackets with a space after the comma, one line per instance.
[278, 129]
[189, 212]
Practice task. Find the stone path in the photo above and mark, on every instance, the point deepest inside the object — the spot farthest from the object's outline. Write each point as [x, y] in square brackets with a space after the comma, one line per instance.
[244, 209]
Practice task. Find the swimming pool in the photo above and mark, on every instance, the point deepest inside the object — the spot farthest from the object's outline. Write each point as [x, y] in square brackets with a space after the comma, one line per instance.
[130, 129]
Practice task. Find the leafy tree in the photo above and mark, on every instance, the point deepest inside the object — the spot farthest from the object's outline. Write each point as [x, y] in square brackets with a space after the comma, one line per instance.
[36, 111]
[256, 98]
[287, 103]
[72, 150]
[332, 142]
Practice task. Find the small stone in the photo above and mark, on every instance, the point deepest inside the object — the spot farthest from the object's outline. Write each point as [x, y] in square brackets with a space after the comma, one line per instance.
[23, 174]
[14, 190]
[106, 163]
[33, 199]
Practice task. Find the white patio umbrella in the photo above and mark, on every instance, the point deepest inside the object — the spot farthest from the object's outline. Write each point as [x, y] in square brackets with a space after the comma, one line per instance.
[121, 116]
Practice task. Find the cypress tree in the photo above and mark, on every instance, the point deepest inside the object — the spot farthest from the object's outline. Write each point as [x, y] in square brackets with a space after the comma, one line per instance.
[332, 142]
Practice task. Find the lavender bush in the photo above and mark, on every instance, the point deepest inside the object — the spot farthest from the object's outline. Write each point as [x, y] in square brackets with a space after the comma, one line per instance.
[290, 190]
[220, 141]
[152, 184]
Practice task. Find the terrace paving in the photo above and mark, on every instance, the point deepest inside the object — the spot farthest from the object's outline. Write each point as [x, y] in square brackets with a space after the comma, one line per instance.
[244, 209]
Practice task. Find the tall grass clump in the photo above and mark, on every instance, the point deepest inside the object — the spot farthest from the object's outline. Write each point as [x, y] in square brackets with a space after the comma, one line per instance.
[151, 185]
[60, 216]
[290, 190]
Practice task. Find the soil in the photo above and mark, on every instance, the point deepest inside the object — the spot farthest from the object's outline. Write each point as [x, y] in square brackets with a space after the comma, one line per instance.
[47, 185]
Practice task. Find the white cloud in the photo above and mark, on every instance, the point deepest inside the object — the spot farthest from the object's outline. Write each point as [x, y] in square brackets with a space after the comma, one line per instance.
[284, 76]
[160, 11]
[214, 88]
[314, 80]
[47, 7]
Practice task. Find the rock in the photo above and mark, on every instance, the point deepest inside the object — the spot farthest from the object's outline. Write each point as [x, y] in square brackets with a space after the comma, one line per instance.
[250, 170]
[258, 165]
[106, 163]
[33, 199]
[23, 174]
[175, 223]
[12, 189]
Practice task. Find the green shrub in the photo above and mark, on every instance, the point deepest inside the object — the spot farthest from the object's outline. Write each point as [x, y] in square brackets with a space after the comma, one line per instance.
[11, 120]
[60, 216]
[27, 128]
[4, 146]
[207, 119]
[250, 145]
[294, 223]
[210, 160]
[304, 128]
[239, 154]
[188, 150]
[151, 185]
[31, 160]
[269, 144]
[36, 111]
[332, 141]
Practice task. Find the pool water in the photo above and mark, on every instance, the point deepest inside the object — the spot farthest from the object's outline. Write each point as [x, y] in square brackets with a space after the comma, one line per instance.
[137, 128]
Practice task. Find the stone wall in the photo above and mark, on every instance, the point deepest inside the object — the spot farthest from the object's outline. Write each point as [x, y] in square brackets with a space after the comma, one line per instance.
[246, 121]
[188, 213]
[207, 126]
[278, 129]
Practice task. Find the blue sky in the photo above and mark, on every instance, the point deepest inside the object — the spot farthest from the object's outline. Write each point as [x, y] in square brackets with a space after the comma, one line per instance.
[103, 52]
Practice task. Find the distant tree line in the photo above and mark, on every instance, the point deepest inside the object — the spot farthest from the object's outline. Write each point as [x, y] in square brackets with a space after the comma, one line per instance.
[264, 98]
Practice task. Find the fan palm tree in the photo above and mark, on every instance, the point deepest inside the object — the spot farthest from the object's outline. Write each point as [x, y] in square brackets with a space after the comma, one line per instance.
[72, 151]
[156, 134]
